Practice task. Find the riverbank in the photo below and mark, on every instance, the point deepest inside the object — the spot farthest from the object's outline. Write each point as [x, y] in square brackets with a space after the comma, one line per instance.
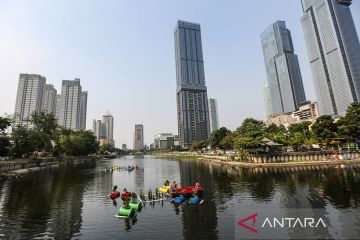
[19, 167]
[226, 160]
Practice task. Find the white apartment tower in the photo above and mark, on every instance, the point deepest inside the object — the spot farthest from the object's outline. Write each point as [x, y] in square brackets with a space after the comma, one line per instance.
[29, 97]
[72, 110]
[49, 99]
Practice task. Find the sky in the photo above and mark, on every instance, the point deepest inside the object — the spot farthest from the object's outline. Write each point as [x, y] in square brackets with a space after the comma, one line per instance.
[123, 52]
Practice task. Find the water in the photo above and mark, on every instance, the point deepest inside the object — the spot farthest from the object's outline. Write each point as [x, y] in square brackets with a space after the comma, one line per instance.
[70, 202]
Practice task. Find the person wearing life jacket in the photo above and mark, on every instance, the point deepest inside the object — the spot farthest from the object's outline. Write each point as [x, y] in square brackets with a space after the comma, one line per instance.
[197, 185]
[173, 187]
[167, 183]
[114, 194]
[125, 194]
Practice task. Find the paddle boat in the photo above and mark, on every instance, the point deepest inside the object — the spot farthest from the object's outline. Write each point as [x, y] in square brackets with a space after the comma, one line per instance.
[125, 212]
[188, 191]
[178, 200]
[164, 189]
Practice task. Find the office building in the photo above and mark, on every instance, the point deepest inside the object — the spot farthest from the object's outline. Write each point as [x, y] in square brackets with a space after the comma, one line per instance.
[334, 53]
[213, 115]
[284, 88]
[191, 93]
[124, 147]
[29, 97]
[165, 140]
[108, 121]
[49, 99]
[139, 137]
[70, 109]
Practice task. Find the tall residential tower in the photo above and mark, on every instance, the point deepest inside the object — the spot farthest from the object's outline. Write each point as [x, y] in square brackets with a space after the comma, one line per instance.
[191, 92]
[284, 88]
[49, 99]
[334, 53]
[72, 109]
[29, 97]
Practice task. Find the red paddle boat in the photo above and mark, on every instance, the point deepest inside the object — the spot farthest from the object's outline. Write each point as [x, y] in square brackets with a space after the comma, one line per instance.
[188, 191]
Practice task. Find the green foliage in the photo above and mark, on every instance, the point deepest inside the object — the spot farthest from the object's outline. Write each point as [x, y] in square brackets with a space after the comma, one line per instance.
[23, 141]
[349, 125]
[299, 133]
[228, 142]
[78, 143]
[198, 145]
[217, 136]
[106, 148]
[251, 128]
[4, 138]
[250, 145]
[325, 129]
[250, 135]
[276, 133]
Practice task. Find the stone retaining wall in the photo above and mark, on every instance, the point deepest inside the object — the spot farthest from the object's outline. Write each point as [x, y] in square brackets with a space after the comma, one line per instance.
[42, 162]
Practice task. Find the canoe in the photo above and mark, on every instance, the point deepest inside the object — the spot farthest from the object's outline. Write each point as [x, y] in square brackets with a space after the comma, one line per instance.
[188, 191]
[178, 200]
[126, 212]
[164, 189]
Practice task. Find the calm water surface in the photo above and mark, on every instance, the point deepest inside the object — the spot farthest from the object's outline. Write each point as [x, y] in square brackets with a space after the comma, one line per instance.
[70, 202]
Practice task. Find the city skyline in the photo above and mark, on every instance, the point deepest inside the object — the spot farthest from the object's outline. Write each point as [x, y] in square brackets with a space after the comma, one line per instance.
[233, 74]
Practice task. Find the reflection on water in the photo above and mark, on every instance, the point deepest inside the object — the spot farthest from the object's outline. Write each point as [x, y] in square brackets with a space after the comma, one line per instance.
[70, 202]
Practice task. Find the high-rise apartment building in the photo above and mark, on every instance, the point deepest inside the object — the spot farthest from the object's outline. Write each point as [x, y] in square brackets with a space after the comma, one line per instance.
[284, 88]
[108, 120]
[213, 115]
[191, 93]
[139, 137]
[334, 53]
[69, 115]
[83, 109]
[29, 97]
[49, 99]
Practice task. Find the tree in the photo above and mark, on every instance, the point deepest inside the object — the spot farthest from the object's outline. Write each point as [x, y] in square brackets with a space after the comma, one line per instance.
[251, 128]
[106, 148]
[250, 135]
[325, 129]
[45, 127]
[276, 133]
[349, 125]
[77, 143]
[22, 139]
[299, 134]
[217, 136]
[228, 142]
[198, 145]
[4, 138]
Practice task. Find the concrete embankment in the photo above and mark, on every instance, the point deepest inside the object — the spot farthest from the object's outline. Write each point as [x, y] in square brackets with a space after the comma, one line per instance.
[19, 167]
[296, 161]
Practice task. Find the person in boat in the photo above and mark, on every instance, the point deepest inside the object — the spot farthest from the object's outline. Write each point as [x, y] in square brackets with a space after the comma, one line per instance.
[136, 166]
[114, 194]
[167, 183]
[125, 194]
[174, 186]
[197, 185]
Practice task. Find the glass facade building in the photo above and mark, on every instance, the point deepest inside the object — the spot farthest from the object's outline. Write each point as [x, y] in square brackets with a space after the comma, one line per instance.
[334, 53]
[191, 93]
[213, 115]
[284, 90]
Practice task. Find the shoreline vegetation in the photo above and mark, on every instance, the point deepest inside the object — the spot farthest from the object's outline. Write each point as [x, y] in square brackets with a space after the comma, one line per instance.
[228, 160]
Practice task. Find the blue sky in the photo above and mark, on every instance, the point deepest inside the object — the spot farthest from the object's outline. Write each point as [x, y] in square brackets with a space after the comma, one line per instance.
[123, 52]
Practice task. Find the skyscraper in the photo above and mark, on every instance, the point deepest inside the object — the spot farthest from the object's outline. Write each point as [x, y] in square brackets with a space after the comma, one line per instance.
[108, 120]
[70, 104]
[29, 97]
[49, 99]
[139, 137]
[334, 53]
[83, 110]
[213, 115]
[191, 92]
[285, 88]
